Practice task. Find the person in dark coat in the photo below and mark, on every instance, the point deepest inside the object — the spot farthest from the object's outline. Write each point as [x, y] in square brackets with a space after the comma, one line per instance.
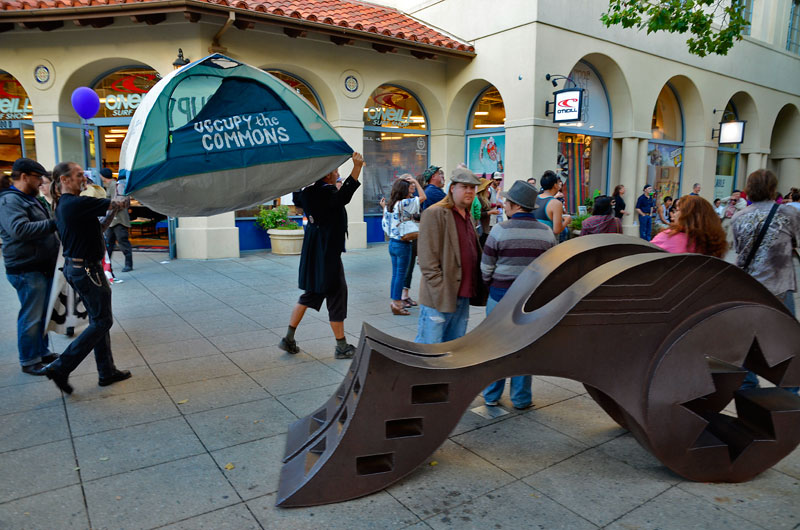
[321, 271]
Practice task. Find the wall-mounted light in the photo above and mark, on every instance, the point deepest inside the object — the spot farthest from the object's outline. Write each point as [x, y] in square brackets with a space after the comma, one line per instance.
[730, 131]
[180, 61]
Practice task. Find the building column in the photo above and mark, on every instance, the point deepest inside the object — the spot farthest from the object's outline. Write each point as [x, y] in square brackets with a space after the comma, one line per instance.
[755, 161]
[531, 149]
[628, 172]
[207, 237]
[353, 133]
[700, 165]
[788, 174]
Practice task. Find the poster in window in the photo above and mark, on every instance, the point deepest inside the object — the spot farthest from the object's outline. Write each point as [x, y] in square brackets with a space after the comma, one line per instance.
[486, 152]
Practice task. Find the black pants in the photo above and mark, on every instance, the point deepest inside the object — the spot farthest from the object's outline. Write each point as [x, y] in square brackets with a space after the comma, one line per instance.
[119, 234]
[89, 281]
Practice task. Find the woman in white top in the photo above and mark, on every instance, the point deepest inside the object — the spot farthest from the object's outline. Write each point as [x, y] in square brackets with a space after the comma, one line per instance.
[402, 208]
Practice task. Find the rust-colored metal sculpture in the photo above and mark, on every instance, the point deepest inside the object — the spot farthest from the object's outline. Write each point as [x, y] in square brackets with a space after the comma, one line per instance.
[659, 340]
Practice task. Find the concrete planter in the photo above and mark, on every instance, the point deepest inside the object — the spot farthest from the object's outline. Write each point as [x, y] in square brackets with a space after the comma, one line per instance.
[286, 242]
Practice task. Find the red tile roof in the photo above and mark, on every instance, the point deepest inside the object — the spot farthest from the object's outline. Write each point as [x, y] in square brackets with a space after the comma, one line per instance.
[347, 14]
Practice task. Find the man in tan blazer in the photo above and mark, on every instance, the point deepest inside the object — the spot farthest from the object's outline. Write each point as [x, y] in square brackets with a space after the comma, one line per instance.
[449, 258]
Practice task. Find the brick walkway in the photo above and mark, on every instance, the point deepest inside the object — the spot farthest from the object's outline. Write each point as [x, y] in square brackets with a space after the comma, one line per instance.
[211, 391]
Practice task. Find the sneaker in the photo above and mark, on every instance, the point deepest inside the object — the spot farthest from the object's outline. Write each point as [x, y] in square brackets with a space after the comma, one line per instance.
[491, 403]
[289, 346]
[523, 407]
[345, 353]
[127, 269]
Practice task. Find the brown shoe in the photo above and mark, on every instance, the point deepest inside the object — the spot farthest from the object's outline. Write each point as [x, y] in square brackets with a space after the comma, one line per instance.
[399, 310]
[408, 302]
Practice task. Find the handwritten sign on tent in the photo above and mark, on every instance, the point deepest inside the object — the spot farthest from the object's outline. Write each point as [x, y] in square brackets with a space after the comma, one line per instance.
[219, 135]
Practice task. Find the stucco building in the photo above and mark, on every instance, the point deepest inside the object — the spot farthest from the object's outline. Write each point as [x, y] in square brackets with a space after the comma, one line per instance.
[414, 83]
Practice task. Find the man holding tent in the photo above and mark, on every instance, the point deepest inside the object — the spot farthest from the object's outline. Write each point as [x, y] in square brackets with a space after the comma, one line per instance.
[321, 269]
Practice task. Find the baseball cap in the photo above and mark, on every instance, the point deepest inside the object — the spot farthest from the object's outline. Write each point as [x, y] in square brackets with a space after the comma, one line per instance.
[26, 165]
[465, 176]
[431, 171]
[497, 176]
[106, 173]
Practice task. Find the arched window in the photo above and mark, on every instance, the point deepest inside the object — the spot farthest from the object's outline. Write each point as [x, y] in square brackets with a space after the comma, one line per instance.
[300, 86]
[486, 133]
[727, 160]
[584, 147]
[665, 150]
[395, 141]
[16, 128]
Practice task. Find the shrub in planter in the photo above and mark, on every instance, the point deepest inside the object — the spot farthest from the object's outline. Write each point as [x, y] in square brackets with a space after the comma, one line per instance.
[285, 236]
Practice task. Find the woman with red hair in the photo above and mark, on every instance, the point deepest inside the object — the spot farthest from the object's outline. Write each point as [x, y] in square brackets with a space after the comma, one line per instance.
[697, 229]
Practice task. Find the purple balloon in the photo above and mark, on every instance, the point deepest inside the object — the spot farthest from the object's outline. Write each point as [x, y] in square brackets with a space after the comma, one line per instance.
[86, 102]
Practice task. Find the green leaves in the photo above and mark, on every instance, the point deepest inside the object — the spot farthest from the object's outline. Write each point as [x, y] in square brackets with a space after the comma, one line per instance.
[714, 25]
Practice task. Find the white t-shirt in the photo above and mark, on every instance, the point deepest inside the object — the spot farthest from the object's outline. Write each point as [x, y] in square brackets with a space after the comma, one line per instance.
[402, 211]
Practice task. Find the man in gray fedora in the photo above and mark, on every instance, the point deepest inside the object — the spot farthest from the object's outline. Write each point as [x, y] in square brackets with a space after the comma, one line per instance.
[511, 246]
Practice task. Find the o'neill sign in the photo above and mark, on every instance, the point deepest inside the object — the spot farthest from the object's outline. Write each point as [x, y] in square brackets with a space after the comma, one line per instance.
[568, 105]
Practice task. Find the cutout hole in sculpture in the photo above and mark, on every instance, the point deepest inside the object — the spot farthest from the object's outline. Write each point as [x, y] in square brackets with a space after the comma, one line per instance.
[403, 428]
[373, 464]
[428, 394]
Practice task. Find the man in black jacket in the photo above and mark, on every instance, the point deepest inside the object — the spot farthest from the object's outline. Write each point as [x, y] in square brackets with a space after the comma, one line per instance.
[30, 252]
[321, 269]
[84, 248]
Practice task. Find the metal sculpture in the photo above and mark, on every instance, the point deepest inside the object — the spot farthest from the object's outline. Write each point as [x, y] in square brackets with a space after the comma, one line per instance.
[661, 342]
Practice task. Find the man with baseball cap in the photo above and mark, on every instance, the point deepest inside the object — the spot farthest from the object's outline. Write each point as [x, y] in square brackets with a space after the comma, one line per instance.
[30, 252]
[433, 183]
[449, 258]
[511, 246]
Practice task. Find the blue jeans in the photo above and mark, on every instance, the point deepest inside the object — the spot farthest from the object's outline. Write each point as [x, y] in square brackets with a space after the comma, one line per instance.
[520, 384]
[400, 251]
[645, 227]
[435, 327]
[33, 291]
[89, 281]
[751, 379]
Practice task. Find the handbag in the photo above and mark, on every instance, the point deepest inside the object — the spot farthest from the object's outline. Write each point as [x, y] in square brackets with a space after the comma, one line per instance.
[760, 237]
[407, 229]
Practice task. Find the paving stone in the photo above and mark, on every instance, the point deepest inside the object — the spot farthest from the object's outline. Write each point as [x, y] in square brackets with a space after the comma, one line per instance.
[150, 322]
[791, 464]
[769, 500]
[581, 418]
[379, 510]
[502, 444]
[305, 402]
[36, 469]
[19, 398]
[289, 379]
[516, 505]
[86, 385]
[676, 509]
[626, 449]
[612, 489]
[29, 428]
[174, 351]
[307, 330]
[113, 412]
[458, 476]
[245, 341]
[11, 375]
[120, 450]
[216, 393]
[237, 517]
[264, 358]
[257, 465]
[195, 369]
[158, 495]
[62, 508]
[569, 384]
[175, 333]
[241, 423]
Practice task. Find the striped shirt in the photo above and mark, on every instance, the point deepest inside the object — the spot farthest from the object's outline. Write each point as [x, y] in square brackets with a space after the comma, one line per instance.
[512, 245]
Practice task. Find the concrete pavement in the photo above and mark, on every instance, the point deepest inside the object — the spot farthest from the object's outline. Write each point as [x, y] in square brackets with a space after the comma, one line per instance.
[195, 438]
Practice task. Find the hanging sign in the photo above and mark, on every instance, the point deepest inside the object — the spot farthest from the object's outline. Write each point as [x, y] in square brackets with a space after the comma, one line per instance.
[731, 132]
[567, 105]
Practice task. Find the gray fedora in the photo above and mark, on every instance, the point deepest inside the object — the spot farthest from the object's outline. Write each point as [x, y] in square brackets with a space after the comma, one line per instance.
[523, 194]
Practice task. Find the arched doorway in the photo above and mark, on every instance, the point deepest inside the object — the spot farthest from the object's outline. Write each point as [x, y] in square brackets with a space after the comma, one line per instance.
[584, 147]
[725, 176]
[300, 86]
[486, 134]
[665, 150]
[396, 135]
[17, 138]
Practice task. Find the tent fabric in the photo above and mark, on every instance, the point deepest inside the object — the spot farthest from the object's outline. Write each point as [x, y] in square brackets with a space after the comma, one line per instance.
[219, 135]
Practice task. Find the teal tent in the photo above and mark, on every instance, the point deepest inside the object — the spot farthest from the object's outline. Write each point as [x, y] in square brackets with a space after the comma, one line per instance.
[219, 135]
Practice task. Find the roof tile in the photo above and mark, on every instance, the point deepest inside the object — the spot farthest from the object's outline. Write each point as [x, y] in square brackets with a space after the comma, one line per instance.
[356, 14]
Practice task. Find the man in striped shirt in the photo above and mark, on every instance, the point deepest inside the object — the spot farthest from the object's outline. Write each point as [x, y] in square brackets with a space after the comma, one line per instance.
[512, 245]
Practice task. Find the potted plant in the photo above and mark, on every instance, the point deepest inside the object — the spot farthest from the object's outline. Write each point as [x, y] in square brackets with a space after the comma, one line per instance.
[285, 236]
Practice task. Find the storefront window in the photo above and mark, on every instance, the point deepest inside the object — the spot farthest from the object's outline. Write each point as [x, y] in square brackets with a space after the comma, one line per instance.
[486, 138]
[395, 142]
[300, 86]
[120, 93]
[727, 161]
[16, 132]
[583, 146]
[665, 151]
